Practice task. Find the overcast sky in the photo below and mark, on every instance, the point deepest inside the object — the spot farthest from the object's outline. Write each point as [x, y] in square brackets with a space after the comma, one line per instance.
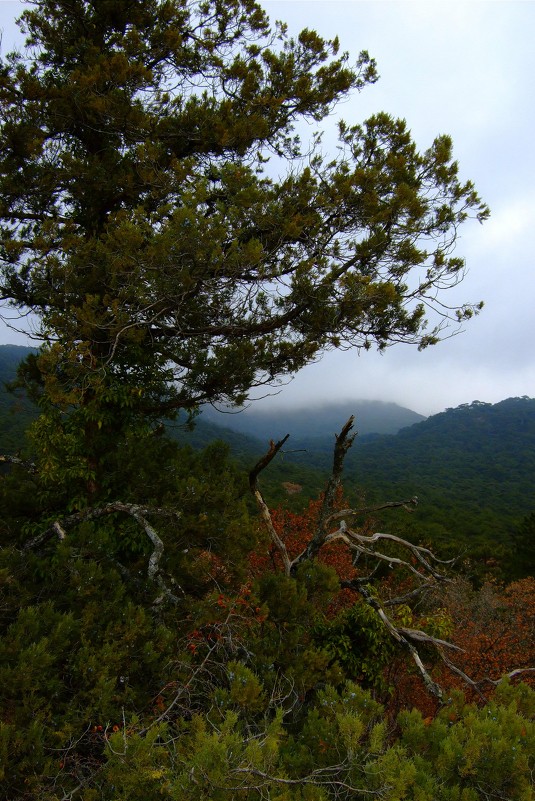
[466, 69]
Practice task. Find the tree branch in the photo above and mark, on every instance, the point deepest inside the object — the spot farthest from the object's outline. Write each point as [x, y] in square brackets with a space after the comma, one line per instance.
[29, 466]
[422, 563]
[403, 638]
[362, 543]
[262, 463]
[343, 443]
[426, 572]
[138, 513]
[321, 777]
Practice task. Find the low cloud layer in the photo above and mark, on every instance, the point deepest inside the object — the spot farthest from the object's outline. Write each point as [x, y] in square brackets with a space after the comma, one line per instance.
[464, 69]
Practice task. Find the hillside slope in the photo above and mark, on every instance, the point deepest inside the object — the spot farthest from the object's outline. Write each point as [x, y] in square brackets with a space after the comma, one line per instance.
[472, 468]
[16, 411]
[473, 442]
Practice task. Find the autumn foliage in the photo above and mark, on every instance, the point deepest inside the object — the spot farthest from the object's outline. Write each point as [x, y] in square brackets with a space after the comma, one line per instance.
[493, 626]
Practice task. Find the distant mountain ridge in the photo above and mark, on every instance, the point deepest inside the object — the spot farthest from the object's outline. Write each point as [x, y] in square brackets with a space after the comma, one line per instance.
[372, 417]
[472, 467]
[249, 430]
[10, 358]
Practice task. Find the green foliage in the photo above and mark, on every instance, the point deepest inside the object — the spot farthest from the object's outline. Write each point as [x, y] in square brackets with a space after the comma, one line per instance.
[90, 671]
[357, 640]
[341, 750]
[81, 659]
[293, 606]
[81, 644]
[523, 541]
[480, 753]
[245, 691]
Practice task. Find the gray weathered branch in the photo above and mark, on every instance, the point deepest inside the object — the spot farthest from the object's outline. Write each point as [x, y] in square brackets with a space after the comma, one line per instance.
[59, 528]
[344, 440]
[27, 465]
[274, 448]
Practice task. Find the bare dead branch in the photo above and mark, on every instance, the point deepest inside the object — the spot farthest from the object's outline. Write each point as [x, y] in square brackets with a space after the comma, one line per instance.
[319, 777]
[409, 506]
[432, 687]
[402, 638]
[361, 545]
[59, 530]
[462, 675]
[344, 441]
[422, 636]
[420, 561]
[138, 513]
[274, 448]
[359, 542]
[511, 675]
[29, 466]
[418, 551]
[266, 517]
[94, 513]
[408, 596]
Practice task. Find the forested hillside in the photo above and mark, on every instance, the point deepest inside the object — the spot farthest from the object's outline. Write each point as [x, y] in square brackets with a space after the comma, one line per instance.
[472, 467]
[166, 630]
[16, 410]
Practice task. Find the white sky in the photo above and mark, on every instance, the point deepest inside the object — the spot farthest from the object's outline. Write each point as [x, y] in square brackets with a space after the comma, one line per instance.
[466, 69]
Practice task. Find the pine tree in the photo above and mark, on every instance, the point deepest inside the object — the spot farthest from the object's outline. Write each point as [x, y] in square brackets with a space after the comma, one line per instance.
[176, 240]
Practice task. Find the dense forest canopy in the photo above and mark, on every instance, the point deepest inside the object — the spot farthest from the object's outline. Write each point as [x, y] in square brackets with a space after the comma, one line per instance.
[178, 244]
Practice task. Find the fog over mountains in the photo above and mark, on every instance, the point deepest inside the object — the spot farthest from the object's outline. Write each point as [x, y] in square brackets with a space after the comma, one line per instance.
[371, 417]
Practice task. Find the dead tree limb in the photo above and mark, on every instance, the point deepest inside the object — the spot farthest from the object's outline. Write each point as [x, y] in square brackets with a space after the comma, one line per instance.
[344, 440]
[29, 466]
[404, 638]
[419, 561]
[59, 528]
[462, 675]
[511, 675]
[274, 448]
[363, 544]
[94, 513]
[409, 505]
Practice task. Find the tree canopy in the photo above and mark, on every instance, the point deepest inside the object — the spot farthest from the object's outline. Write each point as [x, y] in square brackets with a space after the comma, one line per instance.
[175, 238]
